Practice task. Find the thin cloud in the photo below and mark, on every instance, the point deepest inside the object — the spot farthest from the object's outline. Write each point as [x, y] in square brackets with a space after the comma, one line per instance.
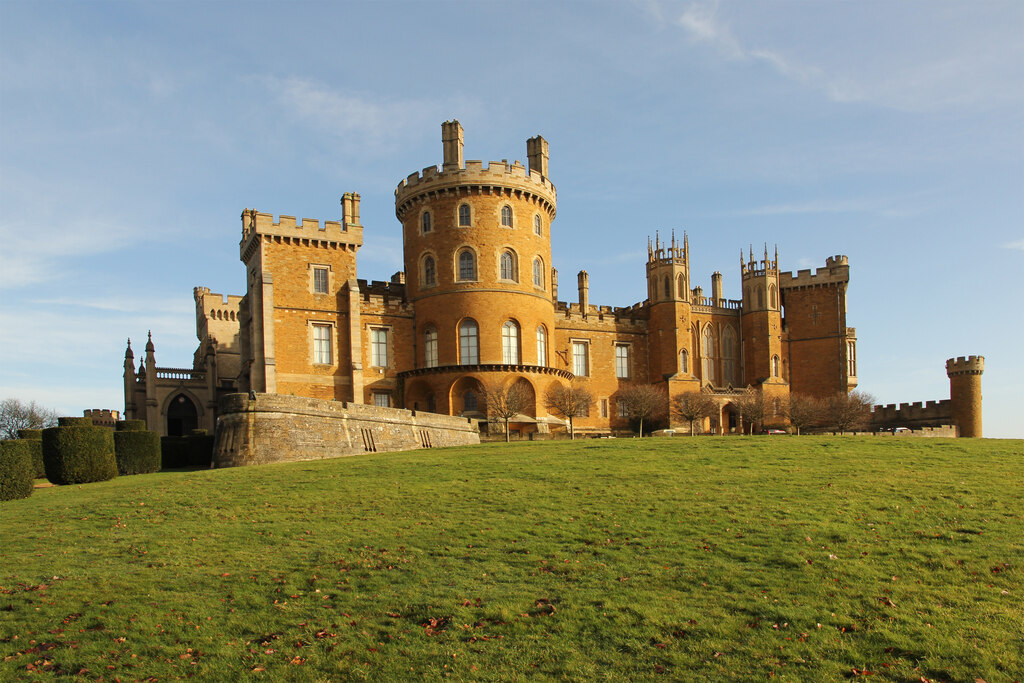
[1018, 245]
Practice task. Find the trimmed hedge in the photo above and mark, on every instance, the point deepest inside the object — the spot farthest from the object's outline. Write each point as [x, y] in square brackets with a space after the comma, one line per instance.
[137, 452]
[36, 434]
[194, 450]
[16, 470]
[35, 439]
[78, 454]
[130, 425]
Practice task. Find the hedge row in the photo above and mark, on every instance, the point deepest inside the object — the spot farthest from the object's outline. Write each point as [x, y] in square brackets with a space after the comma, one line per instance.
[34, 437]
[137, 452]
[16, 469]
[77, 453]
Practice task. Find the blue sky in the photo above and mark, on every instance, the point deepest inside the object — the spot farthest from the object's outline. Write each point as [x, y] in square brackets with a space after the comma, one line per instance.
[132, 135]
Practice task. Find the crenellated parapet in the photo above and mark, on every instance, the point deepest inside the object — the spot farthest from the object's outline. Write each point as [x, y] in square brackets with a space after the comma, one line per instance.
[836, 271]
[751, 267]
[627, 319]
[912, 414]
[214, 306]
[496, 178]
[389, 296]
[965, 365]
[345, 234]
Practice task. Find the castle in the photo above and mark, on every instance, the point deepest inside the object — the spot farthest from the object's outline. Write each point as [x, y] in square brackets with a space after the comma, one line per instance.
[476, 305]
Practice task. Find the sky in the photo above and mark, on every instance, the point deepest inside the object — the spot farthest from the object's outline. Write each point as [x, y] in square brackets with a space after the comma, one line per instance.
[132, 135]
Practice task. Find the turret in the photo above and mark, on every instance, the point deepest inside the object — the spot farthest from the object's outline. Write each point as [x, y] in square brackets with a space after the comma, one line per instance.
[537, 155]
[668, 288]
[129, 382]
[452, 142]
[716, 288]
[668, 270]
[762, 319]
[965, 393]
[152, 412]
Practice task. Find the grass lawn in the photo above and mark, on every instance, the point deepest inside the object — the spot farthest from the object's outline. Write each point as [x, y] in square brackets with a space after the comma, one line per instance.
[741, 558]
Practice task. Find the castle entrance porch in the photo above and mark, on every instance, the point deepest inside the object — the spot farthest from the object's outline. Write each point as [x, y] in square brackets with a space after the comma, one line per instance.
[182, 416]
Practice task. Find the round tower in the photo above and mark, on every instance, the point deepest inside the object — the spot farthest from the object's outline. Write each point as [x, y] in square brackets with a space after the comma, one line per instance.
[965, 393]
[478, 271]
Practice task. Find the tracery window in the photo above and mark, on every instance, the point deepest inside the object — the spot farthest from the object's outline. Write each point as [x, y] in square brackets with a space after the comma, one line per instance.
[728, 356]
[707, 351]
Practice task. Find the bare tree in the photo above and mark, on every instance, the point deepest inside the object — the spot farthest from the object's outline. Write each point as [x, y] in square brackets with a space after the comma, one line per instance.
[644, 402]
[752, 406]
[15, 415]
[848, 411]
[505, 401]
[570, 401]
[802, 411]
[693, 406]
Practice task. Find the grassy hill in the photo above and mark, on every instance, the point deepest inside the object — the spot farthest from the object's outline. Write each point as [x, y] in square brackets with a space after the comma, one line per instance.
[678, 559]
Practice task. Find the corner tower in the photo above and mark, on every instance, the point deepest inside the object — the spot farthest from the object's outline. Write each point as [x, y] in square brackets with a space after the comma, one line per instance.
[965, 393]
[762, 319]
[478, 271]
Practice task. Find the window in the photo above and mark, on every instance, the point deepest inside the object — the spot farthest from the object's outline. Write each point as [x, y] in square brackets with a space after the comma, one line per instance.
[320, 280]
[707, 351]
[467, 265]
[463, 215]
[771, 296]
[510, 343]
[580, 359]
[542, 346]
[668, 288]
[381, 399]
[429, 272]
[506, 216]
[430, 347]
[760, 297]
[775, 366]
[378, 347]
[728, 356]
[680, 287]
[851, 358]
[425, 221]
[469, 343]
[508, 266]
[322, 344]
[538, 272]
[621, 409]
[622, 364]
[469, 401]
[604, 407]
[536, 224]
[684, 362]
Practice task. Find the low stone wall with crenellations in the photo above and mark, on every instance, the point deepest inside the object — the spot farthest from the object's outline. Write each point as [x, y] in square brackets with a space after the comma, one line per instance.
[257, 429]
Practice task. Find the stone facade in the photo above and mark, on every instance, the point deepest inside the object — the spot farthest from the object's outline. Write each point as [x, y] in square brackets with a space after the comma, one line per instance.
[477, 306]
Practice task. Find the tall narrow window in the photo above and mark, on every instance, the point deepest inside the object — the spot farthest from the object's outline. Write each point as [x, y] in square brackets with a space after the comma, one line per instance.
[467, 265]
[684, 362]
[680, 287]
[538, 272]
[322, 344]
[772, 297]
[851, 358]
[542, 346]
[469, 343]
[464, 215]
[668, 288]
[429, 272]
[775, 366]
[707, 352]
[510, 343]
[508, 266]
[430, 347]
[621, 408]
[320, 280]
[622, 364]
[760, 296]
[536, 224]
[580, 359]
[728, 356]
[425, 221]
[506, 216]
[378, 347]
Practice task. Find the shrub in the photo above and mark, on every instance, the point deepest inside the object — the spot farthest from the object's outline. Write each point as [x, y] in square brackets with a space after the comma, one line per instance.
[36, 434]
[130, 425]
[16, 470]
[136, 452]
[34, 438]
[77, 453]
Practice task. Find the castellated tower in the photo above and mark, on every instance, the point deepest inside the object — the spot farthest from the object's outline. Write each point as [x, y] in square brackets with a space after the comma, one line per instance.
[762, 320]
[965, 393]
[478, 273]
[668, 291]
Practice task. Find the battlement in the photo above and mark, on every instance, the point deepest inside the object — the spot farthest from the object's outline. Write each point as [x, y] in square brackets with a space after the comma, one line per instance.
[514, 177]
[969, 365]
[752, 267]
[627, 315]
[383, 292]
[214, 306]
[912, 414]
[670, 253]
[255, 222]
[836, 271]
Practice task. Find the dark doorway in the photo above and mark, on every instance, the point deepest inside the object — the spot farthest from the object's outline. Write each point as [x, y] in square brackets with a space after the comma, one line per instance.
[182, 416]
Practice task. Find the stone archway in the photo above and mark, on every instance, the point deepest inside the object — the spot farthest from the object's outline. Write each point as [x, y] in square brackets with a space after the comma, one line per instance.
[182, 416]
[419, 396]
[466, 397]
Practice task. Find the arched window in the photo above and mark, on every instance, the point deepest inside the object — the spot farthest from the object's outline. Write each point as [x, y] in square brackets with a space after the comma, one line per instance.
[510, 343]
[760, 296]
[467, 265]
[463, 215]
[508, 266]
[680, 287]
[469, 401]
[538, 272]
[772, 297]
[775, 366]
[506, 216]
[425, 221]
[684, 362]
[542, 346]
[430, 347]
[668, 288]
[182, 416]
[728, 356]
[536, 224]
[429, 272]
[469, 343]
[707, 351]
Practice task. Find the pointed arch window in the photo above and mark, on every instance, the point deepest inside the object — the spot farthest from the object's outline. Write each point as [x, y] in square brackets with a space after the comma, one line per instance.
[469, 343]
[430, 347]
[542, 346]
[467, 265]
[425, 222]
[680, 287]
[728, 356]
[760, 296]
[668, 288]
[464, 215]
[772, 297]
[429, 271]
[684, 362]
[538, 272]
[510, 343]
[536, 224]
[707, 351]
[506, 216]
[775, 366]
[508, 266]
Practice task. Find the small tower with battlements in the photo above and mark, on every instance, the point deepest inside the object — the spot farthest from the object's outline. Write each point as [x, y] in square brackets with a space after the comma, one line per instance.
[965, 393]
[762, 319]
[668, 292]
